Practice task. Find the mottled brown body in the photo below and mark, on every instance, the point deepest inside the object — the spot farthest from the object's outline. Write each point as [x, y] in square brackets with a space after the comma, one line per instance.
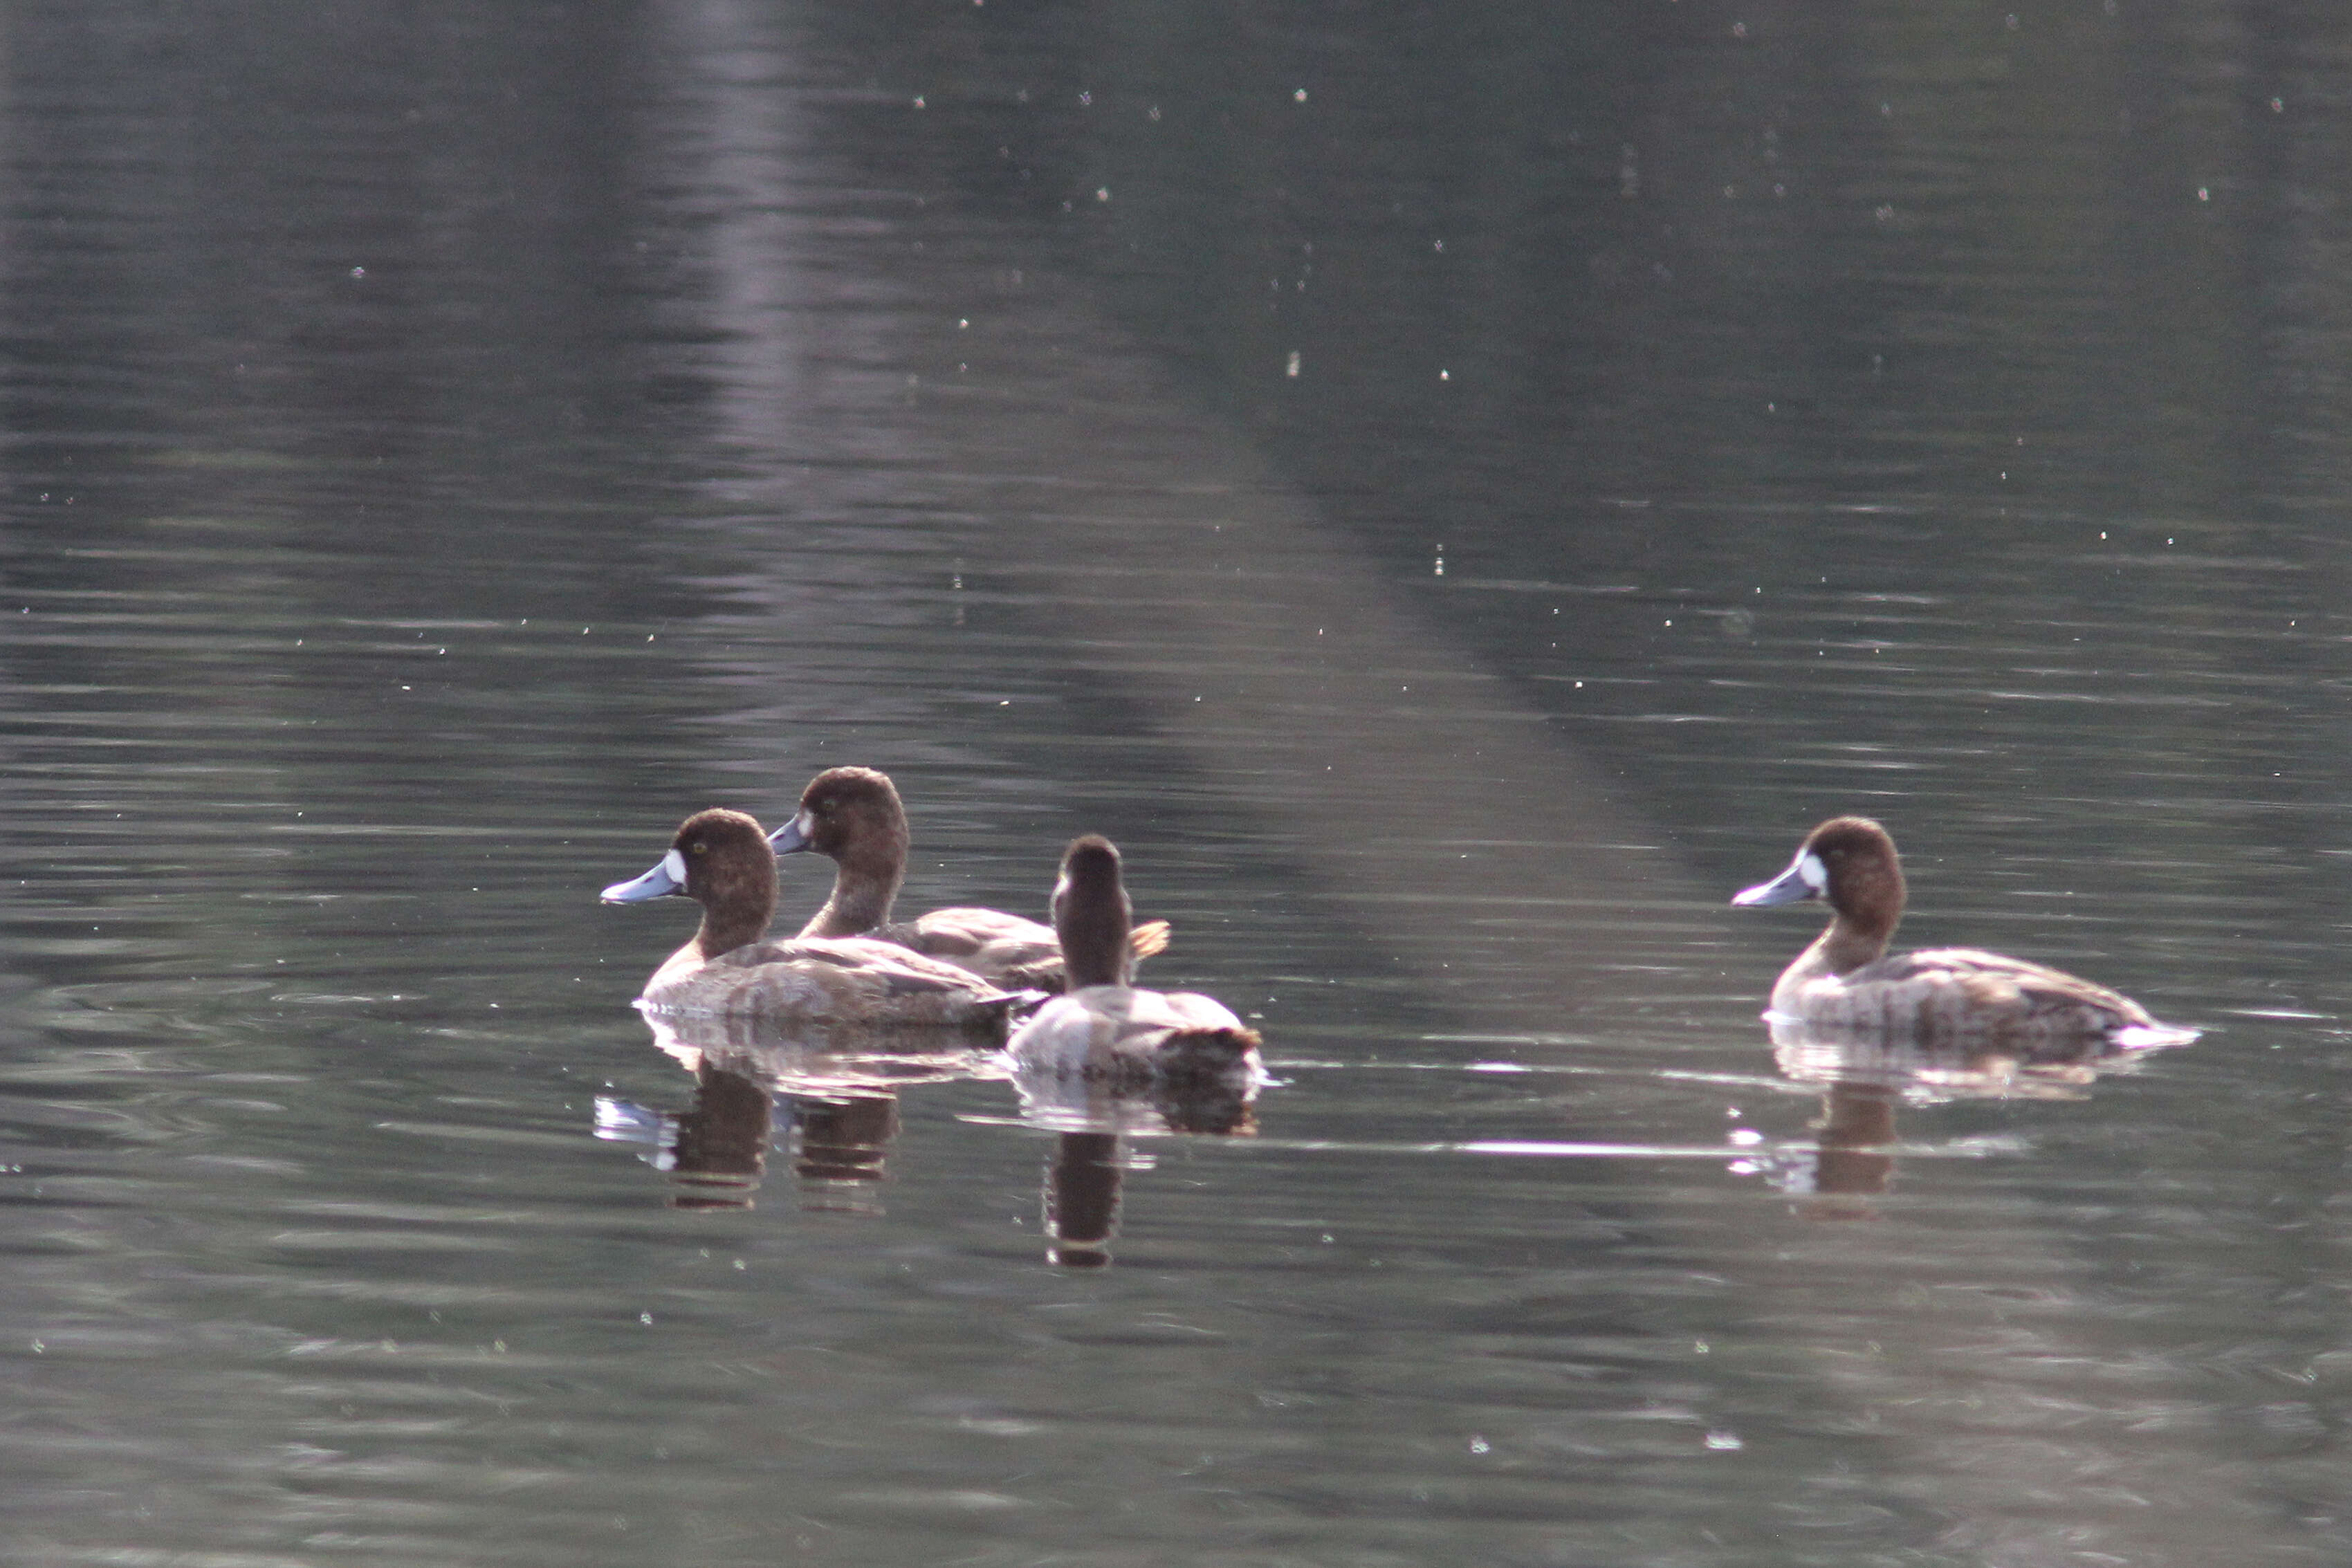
[849, 980]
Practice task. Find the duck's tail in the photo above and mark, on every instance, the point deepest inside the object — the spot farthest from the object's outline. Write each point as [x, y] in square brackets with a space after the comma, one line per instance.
[1207, 1055]
[999, 1014]
[1148, 940]
[2151, 1036]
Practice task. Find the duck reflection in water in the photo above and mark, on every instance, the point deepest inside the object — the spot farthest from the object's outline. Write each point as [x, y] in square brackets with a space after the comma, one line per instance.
[1081, 1206]
[1866, 1080]
[1091, 1154]
[716, 1150]
[719, 1146]
[832, 1096]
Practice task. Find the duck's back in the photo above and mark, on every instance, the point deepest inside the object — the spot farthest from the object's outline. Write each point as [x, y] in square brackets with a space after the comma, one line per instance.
[1963, 994]
[1005, 949]
[844, 979]
[1117, 1034]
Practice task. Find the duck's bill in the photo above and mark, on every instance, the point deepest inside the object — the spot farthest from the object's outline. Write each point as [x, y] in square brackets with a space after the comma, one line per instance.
[1802, 880]
[793, 836]
[667, 877]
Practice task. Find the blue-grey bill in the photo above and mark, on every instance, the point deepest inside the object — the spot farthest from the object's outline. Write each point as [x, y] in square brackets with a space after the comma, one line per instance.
[789, 840]
[1789, 887]
[655, 883]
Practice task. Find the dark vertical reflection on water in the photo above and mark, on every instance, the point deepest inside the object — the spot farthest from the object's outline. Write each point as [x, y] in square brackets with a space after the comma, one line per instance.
[445, 448]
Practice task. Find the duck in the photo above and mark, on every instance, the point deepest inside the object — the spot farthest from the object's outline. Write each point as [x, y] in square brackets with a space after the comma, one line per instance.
[853, 817]
[1104, 1030]
[720, 859]
[1846, 982]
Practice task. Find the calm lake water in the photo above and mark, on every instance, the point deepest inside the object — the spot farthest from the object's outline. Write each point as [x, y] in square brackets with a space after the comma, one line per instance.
[1454, 493]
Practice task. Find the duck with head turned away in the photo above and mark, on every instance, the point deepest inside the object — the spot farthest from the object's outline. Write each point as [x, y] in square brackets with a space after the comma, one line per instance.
[1105, 1030]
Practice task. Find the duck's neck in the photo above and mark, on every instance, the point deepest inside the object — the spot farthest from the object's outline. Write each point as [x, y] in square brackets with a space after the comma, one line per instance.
[717, 934]
[1844, 947]
[862, 895]
[724, 931]
[1092, 926]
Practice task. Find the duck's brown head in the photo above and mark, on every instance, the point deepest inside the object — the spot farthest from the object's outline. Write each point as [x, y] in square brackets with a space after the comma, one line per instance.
[1849, 863]
[851, 816]
[720, 859]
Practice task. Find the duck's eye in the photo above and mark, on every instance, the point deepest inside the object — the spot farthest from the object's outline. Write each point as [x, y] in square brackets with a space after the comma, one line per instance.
[699, 847]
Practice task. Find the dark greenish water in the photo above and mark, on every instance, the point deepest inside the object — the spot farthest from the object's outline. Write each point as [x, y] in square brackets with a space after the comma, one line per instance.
[1453, 492]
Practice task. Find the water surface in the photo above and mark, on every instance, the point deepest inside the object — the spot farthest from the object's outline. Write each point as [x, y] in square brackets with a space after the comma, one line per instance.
[444, 451]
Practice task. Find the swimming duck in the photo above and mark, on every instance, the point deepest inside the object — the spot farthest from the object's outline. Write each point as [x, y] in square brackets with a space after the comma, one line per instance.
[720, 859]
[853, 817]
[1845, 981]
[1105, 1030]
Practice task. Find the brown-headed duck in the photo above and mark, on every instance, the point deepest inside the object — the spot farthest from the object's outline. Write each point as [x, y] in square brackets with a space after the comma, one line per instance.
[720, 859]
[853, 817]
[1845, 981]
[1105, 1030]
